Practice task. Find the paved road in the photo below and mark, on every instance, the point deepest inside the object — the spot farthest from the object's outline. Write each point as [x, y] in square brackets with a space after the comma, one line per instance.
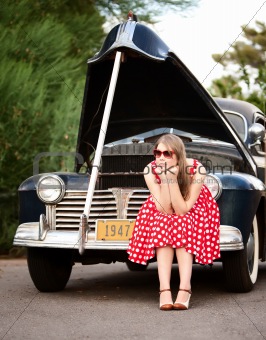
[109, 302]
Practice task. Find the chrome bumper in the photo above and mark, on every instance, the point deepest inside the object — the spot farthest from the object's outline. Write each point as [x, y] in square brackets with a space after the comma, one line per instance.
[230, 238]
[36, 234]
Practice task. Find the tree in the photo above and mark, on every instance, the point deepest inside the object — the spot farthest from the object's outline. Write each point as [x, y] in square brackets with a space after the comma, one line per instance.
[227, 86]
[146, 10]
[249, 59]
[43, 63]
[44, 47]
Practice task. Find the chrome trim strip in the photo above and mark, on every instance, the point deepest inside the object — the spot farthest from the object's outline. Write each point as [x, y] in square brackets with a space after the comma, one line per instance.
[125, 32]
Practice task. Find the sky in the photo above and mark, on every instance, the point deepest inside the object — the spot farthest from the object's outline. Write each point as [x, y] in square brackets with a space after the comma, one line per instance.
[208, 29]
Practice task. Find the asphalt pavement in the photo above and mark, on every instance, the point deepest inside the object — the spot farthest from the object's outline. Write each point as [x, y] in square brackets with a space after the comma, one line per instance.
[110, 302]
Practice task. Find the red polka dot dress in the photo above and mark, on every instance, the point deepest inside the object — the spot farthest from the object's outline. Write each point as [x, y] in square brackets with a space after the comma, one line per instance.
[197, 231]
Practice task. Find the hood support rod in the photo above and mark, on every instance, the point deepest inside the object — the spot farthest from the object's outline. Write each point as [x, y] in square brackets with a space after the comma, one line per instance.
[100, 144]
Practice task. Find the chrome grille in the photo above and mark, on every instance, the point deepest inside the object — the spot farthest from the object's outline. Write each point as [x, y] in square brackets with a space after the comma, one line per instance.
[69, 210]
[106, 204]
[136, 200]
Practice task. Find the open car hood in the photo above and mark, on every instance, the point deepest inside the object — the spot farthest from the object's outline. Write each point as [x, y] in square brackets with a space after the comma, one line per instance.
[154, 89]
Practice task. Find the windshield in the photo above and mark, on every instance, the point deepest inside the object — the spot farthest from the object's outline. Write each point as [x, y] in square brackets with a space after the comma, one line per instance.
[238, 123]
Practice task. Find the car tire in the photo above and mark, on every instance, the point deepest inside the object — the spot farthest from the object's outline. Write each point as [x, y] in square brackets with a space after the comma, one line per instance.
[241, 267]
[49, 269]
[136, 267]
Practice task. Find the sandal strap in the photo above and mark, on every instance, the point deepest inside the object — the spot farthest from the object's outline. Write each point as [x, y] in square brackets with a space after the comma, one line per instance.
[186, 290]
[164, 290]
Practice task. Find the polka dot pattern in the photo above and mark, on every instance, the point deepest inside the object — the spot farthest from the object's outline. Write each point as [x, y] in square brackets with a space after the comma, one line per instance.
[197, 231]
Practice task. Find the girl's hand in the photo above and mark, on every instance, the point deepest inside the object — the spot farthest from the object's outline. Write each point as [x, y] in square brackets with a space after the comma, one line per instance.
[172, 171]
[166, 172]
[159, 169]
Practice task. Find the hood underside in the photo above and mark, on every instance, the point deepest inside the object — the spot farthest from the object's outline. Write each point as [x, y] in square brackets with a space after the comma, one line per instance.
[154, 89]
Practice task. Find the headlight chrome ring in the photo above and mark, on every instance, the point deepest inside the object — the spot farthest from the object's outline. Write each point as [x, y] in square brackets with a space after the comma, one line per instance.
[214, 184]
[50, 189]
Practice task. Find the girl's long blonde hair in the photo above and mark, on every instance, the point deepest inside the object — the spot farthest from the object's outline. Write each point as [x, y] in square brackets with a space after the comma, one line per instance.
[174, 143]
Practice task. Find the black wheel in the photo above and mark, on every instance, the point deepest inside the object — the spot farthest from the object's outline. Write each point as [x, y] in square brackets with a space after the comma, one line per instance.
[241, 267]
[49, 269]
[135, 267]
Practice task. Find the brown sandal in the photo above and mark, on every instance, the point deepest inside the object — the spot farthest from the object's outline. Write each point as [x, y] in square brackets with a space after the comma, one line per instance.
[183, 305]
[167, 306]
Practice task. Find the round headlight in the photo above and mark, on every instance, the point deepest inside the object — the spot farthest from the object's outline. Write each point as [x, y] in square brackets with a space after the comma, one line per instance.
[214, 184]
[50, 189]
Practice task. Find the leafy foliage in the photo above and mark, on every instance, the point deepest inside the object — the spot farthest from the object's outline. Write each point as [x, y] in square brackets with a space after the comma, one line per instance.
[44, 47]
[227, 86]
[249, 58]
[146, 10]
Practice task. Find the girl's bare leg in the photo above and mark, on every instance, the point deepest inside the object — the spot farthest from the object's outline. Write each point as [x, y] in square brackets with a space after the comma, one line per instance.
[185, 261]
[165, 257]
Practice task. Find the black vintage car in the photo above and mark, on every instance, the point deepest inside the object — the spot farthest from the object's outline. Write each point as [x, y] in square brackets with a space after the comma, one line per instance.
[136, 90]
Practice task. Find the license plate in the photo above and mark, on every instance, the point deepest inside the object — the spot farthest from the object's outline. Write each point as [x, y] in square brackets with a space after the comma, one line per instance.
[114, 230]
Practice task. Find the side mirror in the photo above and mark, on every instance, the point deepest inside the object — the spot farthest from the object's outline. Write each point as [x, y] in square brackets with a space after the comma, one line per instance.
[256, 134]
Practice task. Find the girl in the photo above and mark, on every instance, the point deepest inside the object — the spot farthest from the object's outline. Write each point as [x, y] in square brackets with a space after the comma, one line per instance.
[180, 216]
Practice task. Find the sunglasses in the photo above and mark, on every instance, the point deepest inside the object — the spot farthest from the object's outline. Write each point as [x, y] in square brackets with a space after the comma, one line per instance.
[166, 154]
